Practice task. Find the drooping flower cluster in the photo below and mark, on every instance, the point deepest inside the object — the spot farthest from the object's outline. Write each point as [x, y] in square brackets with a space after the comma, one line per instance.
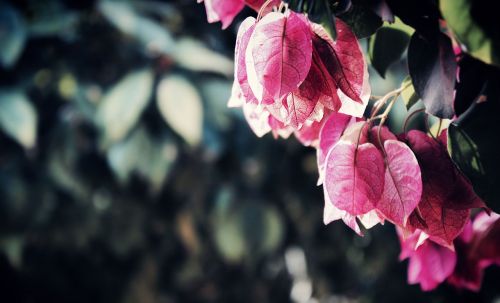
[292, 78]
[476, 248]
[290, 75]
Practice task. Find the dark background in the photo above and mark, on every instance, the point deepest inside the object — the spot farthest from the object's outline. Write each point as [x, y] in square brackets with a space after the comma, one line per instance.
[199, 210]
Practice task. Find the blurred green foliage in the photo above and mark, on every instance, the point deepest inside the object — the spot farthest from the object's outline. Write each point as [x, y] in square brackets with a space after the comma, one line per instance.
[124, 177]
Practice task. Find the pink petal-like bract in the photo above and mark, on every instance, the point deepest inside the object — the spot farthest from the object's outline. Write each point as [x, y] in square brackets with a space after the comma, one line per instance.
[279, 129]
[403, 183]
[281, 50]
[257, 118]
[223, 10]
[236, 98]
[430, 264]
[332, 213]
[330, 133]
[371, 219]
[319, 85]
[354, 176]
[344, 61]
[240, 71]
[257, 4]
[447, 196]
[298, 110]
[384, 133]
[477, 248]
[309, 133]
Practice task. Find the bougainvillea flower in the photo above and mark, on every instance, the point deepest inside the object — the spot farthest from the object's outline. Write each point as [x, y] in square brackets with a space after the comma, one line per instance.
[343, 68]
[447, 196]
[278, 56]
[332, 213]
[477, 248]
[403, 181]
[240, 71]
[330, 133]
[225, 10]
[222, 10]
[429, 264]
[309, 133]
[354, 173]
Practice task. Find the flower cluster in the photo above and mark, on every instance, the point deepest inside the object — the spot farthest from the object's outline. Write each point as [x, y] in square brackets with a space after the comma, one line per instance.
[291, 77]
[475, 249]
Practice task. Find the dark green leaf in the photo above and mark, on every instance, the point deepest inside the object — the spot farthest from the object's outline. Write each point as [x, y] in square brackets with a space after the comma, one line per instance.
[362, 20]
[432, 67]
[321, 13]
[387, 47]
[473, 145]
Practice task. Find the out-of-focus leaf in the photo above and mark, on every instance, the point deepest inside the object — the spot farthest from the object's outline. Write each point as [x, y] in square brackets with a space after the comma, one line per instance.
[122, 105]
[193, 55]
[63, 160]
[12, 35]
[180, 105]
[54, 24]
[247, 231]
[388, 45]
[158, 162]
[408, 94]
[479, 41]
[18, 117]
[154, 37]
[141, 154]
[216, 93]
[13, 249]
[124, 157]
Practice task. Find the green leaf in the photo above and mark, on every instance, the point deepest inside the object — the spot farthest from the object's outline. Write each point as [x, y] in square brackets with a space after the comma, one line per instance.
[362, 20]
[12, 35]
[473, 146]
[153, 36]
[180, 105]
[121, 107]
[18, 117]
[408, 94]
[388, 45]
[246, 230]
[140, 153]
[192, 54]
[480, 41]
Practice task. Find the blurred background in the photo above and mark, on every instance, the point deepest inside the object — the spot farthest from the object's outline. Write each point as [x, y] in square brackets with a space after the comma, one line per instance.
[125, 178]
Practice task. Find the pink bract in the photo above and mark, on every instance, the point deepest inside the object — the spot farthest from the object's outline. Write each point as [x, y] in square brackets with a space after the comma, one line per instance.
[354, 176]
[344, 61]
[280, 49]
[223, 10]
[447, 196]
[430, 264]
[403, 183]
